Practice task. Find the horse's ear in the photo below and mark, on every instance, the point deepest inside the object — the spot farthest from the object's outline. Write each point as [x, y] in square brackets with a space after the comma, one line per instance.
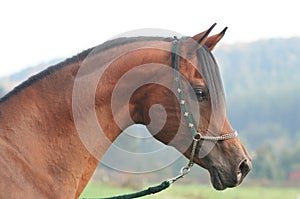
[202, 37]
[212, 41]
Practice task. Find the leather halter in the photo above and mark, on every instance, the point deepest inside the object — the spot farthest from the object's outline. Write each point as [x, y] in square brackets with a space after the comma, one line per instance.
[176, 45]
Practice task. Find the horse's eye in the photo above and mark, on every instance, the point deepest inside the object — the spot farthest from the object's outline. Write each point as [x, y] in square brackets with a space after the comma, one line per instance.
[202, 94]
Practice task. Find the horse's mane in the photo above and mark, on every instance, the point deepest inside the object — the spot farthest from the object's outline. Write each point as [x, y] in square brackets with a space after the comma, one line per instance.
[77, 58]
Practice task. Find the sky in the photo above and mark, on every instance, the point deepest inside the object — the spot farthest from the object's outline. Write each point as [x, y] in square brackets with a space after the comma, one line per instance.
[32, 32]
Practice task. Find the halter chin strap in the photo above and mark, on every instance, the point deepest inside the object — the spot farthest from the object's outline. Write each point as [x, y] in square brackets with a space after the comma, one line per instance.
[176, 46]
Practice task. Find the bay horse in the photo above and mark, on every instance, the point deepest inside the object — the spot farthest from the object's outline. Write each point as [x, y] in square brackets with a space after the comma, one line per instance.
[56, 126]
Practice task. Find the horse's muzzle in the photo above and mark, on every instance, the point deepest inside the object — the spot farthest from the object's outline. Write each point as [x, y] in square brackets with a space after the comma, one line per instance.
[223, 178]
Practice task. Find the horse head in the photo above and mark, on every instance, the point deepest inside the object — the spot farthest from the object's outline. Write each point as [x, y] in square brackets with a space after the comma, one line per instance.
[201, 93]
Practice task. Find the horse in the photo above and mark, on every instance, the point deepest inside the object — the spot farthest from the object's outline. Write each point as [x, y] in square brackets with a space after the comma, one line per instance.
[56, 126]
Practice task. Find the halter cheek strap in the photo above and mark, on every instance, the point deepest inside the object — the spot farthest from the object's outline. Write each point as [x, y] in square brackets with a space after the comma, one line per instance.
[176, 46]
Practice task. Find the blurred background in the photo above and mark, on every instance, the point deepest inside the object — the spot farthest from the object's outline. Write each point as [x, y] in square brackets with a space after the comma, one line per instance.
[259, 61]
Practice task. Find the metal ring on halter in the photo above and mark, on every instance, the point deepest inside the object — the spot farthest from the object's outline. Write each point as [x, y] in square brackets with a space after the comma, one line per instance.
[185, 170]
[197, 137]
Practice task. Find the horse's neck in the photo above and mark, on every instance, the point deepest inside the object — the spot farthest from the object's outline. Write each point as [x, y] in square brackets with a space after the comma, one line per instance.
[43, 154]
[37, 126]
[41, 109]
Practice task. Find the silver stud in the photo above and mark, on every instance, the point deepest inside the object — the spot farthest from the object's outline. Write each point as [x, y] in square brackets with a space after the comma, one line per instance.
[191, 125]
[186, 114]
[178, 90]
[182, 102]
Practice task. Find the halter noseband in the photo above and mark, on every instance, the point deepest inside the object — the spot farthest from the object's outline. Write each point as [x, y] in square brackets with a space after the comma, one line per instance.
[176, 45]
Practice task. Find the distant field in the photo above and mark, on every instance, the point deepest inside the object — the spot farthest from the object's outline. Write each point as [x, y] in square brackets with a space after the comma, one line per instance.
[198, 192]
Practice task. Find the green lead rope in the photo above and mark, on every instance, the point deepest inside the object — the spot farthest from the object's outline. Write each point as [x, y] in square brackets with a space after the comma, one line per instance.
[150, 190]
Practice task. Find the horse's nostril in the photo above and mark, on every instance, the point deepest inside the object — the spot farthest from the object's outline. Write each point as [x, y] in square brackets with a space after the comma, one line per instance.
[244, 168]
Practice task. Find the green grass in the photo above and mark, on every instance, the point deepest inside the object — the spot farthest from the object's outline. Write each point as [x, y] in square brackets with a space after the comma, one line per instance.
[179, 191]
[101, 190]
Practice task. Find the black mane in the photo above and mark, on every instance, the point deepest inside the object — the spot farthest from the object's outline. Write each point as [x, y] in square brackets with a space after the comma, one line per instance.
[77, 58]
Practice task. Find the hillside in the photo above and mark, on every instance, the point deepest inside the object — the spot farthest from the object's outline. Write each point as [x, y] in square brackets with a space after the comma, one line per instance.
[262, 86]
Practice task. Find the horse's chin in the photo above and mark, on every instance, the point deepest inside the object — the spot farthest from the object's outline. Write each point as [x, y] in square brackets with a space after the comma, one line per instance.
[217, 181]
[221, 181]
